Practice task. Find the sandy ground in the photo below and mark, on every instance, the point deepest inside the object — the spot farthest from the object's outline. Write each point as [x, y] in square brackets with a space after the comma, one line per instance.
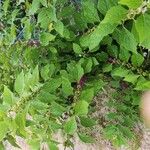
[101, 143]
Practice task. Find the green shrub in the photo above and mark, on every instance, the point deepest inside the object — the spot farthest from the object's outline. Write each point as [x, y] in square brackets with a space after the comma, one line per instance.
[56, 55]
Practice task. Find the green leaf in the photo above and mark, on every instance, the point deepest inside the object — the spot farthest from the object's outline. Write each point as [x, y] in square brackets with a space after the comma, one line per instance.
[46, 16]
[124, 54]
[20, 120]
[133, 4]
[113, 17]
[2, 147]
[66, 87]
[87, 122]
[46, 97]
[137, 60]
[34, 7]
[79, 71]
[56, 109]
[59, 27]
[8, 97]
[86, 138]
[120, 72]
[27, 29]
[131, 78]
[19, 83]
[87, 65]
[87, 95]
[125, 39]
[52, 85]
[81, 108]
[44, 2]
[107, 68]
[38, 105]
[6, 5]
[47, 71]
[70, 126]
[52, 146]
[77, 49]
[104, 5]
[35, 77]
[3, 129]
[141, 30]
[90, 11]
[107, 25]
[142, 86]
[75, 70]
[45, 38]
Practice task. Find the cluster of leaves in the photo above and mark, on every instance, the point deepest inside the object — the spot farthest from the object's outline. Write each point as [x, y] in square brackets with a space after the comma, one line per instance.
[52, 54]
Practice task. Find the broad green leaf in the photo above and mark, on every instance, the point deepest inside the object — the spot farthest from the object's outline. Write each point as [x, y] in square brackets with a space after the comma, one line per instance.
[113, 51]
[113, 17]
[59, 27]
[38, 105]
[131, 78]
[27, 79]
[79, 71]
[87, 65]
[90, 11]
[87, 95]
[107, 25]
[81, 108]
[97, 84]
[81, 23]
[141, 30]
[8, 97]
[142, 86]
[35, 77]
[52, 85]
[104, 5]
[137, 60]
[46, 16]
[20, 120]
[77, 49]
[56, 109]
[46, 97]
[47, 71]
[6, 5]
[3, 129]
[124, 54]
[45, 38]
[87, 122]
[27, 29]
[66, 87]
[44, 2]
[2, 147]
[98, 34]
[86, 138]
[19, 84]
[70, 126]
[52, 146]
[125, 39]
[34, 7]
[133, 4]
[120, 72]
[75, 70]
[107, 68]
